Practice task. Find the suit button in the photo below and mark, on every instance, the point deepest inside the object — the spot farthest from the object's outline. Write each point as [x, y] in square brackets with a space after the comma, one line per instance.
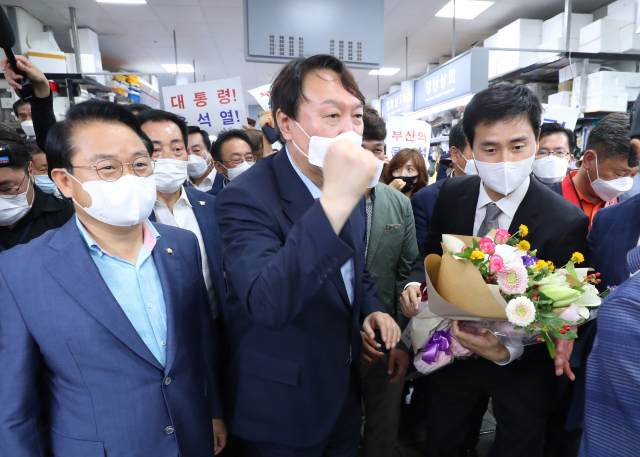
[169, 430]
[167, 381]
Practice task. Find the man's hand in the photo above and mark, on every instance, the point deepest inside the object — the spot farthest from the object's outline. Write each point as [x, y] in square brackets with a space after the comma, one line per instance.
[389, 330]
[399, 358]
[486, 345]
[347, 171]
[564, 348]
[369, 353]
[38, 80]
[267, 119]
[410, 300]
[397, 184]
[219, 435]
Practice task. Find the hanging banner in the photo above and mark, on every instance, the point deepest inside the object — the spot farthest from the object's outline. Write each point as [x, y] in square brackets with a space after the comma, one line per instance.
[564, 115]
[407, 133]
[211, 105]
[262, 95]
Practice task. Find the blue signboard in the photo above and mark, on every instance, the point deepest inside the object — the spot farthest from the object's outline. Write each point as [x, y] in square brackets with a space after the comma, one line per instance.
[466, 74]
[400, 102]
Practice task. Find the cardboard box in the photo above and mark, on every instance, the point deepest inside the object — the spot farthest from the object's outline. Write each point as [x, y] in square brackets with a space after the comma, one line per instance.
[554, 27]
[49, 62]
[605, 29]
[565, 86]
[560, 99]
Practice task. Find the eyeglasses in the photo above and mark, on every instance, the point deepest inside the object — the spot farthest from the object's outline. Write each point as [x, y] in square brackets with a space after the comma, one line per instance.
[248, 158]
[556, 152]
[111, 169]
[12, 192]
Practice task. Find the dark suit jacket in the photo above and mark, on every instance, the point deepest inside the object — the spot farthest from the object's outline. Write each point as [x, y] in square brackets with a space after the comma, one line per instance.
[423, 202]
[106, 394]
[292, 332]
[206, 217]
[218, 184]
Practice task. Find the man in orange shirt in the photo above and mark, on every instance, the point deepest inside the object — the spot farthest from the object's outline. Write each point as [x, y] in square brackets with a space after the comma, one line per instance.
[605, 173]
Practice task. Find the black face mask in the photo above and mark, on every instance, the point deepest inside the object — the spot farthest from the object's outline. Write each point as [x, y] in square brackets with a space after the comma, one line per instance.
[409, 183]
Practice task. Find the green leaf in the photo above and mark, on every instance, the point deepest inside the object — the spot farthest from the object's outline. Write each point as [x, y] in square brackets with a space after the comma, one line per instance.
[571, 269]
[550, 346]
[476, 244]
[548, 314]
[582, 291]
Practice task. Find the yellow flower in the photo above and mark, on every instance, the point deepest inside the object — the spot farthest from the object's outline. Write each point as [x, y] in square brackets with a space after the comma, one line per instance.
[477, 255]
[524, 231]
[577, 258]
[550, 266]
[524, 245]
[541, 264]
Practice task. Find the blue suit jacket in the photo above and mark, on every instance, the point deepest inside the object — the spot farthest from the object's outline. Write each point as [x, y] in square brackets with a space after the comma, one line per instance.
[217, 185]
[105, 394]
[206, 217]
[292, 333]
[423, 202]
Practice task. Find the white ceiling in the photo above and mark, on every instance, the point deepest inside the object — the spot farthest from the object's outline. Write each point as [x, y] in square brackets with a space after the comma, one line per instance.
[139, 38]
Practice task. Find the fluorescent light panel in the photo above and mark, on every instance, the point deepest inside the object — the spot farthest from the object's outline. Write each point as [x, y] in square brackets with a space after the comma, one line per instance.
[384, 71]
[182, 67]
[124, 2]
[465, 9]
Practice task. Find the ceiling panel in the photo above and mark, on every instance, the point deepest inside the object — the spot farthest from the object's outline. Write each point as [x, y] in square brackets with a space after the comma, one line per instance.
[215, 15]
[182, 14]
[137, 13]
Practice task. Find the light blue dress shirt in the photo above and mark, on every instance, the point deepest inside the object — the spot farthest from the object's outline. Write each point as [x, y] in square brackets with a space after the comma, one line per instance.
[348, 269]
[136, 288]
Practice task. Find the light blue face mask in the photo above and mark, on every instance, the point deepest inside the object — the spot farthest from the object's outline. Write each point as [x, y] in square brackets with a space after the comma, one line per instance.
[45, 184]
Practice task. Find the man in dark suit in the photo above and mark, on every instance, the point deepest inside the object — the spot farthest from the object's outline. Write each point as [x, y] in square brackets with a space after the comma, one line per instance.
[108, 313]
[502, 124]
[202, 174]
[232, 156]
[294, 232]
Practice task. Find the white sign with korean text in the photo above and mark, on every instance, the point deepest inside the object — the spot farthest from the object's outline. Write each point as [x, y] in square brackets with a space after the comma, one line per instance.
[561, 115]
[211, 105]
[262, 95]
[407, 133]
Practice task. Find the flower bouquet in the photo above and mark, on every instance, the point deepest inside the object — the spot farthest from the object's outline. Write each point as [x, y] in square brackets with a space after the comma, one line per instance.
[498, 283]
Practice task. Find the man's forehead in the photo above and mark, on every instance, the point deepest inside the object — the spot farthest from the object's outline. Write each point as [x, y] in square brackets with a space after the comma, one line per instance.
[322, 86]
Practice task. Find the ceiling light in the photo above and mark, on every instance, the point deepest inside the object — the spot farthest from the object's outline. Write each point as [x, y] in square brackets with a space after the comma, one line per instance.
[465, 9]
[131, 2]
[182, 67]
[384, 72]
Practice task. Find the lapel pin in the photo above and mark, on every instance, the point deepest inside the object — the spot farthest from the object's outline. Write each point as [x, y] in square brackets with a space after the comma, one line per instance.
[202, 203]
[169, 251]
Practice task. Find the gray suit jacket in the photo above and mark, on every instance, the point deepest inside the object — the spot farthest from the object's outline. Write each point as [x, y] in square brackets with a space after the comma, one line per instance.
[392, 247]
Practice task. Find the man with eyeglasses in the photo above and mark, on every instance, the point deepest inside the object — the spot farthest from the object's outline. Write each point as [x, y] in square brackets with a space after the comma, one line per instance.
[106, 336]
[232, 155]
[26, 212]
[554, 154]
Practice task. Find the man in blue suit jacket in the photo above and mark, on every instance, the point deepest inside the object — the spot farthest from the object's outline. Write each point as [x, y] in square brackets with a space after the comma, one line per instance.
[294, 251]
[202, 176]
[106, 336]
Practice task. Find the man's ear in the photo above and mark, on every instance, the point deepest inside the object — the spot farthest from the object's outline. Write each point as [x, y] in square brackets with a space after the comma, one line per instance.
[284, 123]
[63, 181]
[635, 145]
[219, 168]
[453, 151]
[589, 159]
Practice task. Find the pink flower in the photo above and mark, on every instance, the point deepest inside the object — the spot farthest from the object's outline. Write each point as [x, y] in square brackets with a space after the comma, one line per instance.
[502, 236]
[513, 279]
[487, 246]
[496, 263]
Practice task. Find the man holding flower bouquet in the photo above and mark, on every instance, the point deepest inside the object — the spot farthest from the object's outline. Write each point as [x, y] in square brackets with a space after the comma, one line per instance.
[502, 125]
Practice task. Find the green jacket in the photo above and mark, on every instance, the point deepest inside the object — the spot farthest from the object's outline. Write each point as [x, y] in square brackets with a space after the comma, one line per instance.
[392, 247]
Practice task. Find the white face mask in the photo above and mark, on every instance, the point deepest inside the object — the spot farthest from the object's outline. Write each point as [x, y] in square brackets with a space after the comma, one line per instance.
[14, 209]
[237, 171]
[469, 168]
[610, 190]
[125, 202]
[504, 177]
[197, 167]
[376, 179]
[318, 145]
[27, 126]
[170, 174]
[550, 169]
[45, 184]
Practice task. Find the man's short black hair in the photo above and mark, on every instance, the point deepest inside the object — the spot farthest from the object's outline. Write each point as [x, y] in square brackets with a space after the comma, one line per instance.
[223, 137]
[136, 108]
[60, 146]
[501, 102]
[552, 128]
[457, 137]
[32, 146]
[13, 150]
[375, 128]
[156, 115]
[203, 133]
[17, 105]
[286, 90]
[610, 139]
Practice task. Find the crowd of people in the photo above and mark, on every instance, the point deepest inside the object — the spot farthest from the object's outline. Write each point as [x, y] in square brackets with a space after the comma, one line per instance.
[166, 293]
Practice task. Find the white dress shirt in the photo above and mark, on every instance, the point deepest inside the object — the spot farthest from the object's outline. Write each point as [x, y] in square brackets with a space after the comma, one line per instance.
[348, 269]
[508, 205]
[184, 217]
[206, 185]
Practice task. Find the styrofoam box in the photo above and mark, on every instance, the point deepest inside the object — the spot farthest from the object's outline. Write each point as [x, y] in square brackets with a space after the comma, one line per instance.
[629, 40]
[624, 10]
[48, 61]
[601, 45]
[523, 27]
[611, 103]
[601, 29]
[575, 70]
[610, 79]
[557, 44]
[560, 99]
[554, 27]
[516, 60]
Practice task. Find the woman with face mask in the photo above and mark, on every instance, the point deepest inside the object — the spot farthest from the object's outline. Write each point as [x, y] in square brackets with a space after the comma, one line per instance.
[406, 172]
